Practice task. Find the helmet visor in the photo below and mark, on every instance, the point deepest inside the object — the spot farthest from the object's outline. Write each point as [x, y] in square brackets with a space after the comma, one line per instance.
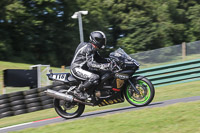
[101, 42]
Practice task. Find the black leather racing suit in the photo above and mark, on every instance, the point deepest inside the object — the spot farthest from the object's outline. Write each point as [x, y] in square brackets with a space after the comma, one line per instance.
[86, 57]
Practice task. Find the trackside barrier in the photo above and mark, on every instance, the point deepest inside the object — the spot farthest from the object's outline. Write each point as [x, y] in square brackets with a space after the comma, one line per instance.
[173, 73]
[35, 99]
[26, 101]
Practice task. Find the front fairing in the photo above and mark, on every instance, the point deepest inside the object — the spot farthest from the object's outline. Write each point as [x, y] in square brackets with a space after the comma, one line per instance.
[121, 54]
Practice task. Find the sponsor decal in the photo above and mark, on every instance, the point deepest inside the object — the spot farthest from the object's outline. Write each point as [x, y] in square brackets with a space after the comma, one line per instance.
[110, 101]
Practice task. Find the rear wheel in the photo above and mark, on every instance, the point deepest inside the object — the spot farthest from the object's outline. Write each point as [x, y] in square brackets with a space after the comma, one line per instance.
[146, 92]
[68, 110]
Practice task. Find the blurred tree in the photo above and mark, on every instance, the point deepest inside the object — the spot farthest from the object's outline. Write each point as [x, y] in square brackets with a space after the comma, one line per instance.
[97, 19]
[193, 16]
[42, 31]
[6, 28]
[39, 31]
[145, 25]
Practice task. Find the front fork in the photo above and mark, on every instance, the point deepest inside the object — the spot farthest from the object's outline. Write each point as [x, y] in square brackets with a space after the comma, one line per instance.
[134, 88]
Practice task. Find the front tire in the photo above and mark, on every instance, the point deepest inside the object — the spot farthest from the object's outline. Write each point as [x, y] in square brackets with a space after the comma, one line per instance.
[145, 88]
[68, 110]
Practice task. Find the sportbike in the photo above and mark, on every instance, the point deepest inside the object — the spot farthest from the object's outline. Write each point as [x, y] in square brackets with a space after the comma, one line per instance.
[114, 86]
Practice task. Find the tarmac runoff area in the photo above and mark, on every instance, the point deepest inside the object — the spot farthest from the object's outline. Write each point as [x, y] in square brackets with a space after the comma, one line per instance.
[58, 119]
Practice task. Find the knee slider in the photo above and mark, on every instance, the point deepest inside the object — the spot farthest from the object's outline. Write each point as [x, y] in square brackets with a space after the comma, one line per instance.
[94, 78]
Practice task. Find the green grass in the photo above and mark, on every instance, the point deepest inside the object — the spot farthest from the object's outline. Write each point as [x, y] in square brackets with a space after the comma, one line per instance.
[177, 118]
[162, 93]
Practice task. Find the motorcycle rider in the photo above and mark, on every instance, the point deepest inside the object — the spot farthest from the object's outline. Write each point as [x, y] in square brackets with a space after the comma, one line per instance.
[86, 58]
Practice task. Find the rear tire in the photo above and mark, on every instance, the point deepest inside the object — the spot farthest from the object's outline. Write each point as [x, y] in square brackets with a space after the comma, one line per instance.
[146, 89]
[68, 110]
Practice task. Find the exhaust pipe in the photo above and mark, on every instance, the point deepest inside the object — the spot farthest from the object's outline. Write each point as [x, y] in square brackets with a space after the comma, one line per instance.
[59, 95]
[65, 97]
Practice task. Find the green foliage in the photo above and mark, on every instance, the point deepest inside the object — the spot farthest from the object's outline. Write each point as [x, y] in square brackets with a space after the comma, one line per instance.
[42, 31]
[148, 24]
[193, 15]
[38, 31]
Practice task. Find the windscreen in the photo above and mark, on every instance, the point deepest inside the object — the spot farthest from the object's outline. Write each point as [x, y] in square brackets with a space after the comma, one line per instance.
[121, 54]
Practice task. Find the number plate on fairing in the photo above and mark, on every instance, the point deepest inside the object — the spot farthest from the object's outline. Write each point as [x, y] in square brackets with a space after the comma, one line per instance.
[58, 76]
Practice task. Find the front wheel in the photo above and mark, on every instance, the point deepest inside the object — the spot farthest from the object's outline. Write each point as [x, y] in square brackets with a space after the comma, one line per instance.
[68, 110]
[146, 92]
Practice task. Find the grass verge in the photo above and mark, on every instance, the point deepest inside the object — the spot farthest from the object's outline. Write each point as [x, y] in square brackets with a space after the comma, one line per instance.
[177, 118]
[162, 93]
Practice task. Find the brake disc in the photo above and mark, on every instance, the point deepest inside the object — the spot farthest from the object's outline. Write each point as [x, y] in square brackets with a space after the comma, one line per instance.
[143, 92]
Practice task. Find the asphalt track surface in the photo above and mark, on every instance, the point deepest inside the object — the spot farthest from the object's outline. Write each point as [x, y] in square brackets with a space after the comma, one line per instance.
[44, 122]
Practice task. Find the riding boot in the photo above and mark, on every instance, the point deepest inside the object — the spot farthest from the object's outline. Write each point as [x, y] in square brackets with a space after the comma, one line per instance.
[80, 91]
[80, 94]
[85, 85]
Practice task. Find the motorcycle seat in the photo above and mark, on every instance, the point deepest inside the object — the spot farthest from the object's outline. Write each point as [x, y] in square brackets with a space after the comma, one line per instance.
[72, 79]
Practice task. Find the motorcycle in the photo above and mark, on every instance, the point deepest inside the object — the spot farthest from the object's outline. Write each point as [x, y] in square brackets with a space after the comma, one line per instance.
[114, 87]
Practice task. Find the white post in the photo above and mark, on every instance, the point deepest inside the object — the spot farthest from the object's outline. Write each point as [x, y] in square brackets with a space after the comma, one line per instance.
[3, 89]
[184, 54]
[78, 15]
[39, 75]
[80, 27]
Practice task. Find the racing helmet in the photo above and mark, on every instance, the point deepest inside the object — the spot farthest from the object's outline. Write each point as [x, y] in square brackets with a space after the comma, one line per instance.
[98, 38]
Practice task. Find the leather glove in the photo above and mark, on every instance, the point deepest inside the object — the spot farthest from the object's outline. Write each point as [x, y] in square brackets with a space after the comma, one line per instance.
[105, 66]
[108, 60]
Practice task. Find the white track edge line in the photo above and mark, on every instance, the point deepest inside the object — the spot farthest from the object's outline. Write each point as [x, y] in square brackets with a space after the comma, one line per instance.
[15, 125]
